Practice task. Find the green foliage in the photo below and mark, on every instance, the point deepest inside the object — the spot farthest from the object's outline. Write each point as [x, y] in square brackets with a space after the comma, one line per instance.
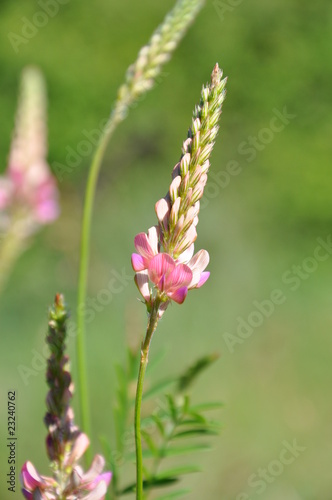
[174, 428]
[193, 371]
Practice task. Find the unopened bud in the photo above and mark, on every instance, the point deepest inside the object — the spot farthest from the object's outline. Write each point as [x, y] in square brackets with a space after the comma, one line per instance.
[196, 125]
[186, 147]
[185, 184]
[173, 218]
[174, 188]
[184, 164]
[196, 142]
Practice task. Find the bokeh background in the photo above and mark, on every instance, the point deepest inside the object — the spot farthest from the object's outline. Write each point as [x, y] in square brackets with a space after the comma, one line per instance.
[256, 225]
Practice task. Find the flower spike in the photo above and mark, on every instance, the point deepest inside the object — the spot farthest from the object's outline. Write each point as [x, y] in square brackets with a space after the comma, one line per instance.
[166, 254]
[65, 443]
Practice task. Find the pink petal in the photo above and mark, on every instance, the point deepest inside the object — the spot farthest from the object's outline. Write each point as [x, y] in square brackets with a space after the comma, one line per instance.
[27, 494]
[105, 476]
[189, 238]
[161, 265]
[98, 493]
[153, 237]
[206, 166]
[200, 260]
[179, 295]
[184, 163]
[185, 256]
[181, 276]
[176, 171]
[138, 262]
[142, 283]
[174, 187]
[204, 277]
[143, 246]
[80, 445]
[94, 472]
[197, 264]
[30, 477]
[162, 211]
[186, 145]
[175, 212]
[47, 211]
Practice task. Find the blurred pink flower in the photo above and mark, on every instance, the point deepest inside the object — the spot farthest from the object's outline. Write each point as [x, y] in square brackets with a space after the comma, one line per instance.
[32, 481]
[74, 484]
[28, 187]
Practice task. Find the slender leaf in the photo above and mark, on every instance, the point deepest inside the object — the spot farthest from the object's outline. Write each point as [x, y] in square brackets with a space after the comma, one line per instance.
[188, 377]
[174, 494]
[151, 444]
[172, 407]
[159, 423]
[154, 482]
[157, 388]
[178, 471]
[196, 432]
[207, 406]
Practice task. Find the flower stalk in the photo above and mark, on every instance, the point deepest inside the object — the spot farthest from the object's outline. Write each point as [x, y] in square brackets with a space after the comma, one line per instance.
[176, 270]
[152, 325]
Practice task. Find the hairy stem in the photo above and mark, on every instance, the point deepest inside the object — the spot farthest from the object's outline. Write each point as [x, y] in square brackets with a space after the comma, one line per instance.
[153, 321]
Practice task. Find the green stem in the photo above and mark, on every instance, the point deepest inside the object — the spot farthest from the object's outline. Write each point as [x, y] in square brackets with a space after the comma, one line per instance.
[115, 118]
[153, 321]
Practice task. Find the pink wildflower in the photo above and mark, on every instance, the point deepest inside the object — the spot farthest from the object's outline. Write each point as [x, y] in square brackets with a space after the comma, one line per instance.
[176, 269]
[28, 187]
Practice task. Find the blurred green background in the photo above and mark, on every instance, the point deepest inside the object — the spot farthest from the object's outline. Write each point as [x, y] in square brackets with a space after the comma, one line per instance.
[276, 384]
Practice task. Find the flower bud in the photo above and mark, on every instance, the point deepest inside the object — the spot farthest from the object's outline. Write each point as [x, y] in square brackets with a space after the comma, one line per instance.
[184, 164]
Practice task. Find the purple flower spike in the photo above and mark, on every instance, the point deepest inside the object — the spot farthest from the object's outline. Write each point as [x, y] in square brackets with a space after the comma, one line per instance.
[65, 443]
